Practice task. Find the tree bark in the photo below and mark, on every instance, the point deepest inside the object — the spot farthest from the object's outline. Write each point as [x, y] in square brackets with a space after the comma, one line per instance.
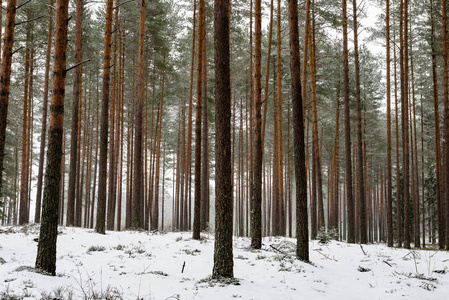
[40, 175]
[223, 257]
[302, 231]
[349, 192]
[101, 203]
[138, 160]
[5, 78]
[46, 252]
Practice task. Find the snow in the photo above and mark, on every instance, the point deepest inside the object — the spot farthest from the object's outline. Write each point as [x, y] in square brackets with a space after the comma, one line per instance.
[145, 265]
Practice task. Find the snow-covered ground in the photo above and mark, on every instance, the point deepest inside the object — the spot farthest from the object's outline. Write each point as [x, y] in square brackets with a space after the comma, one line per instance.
[143, 265]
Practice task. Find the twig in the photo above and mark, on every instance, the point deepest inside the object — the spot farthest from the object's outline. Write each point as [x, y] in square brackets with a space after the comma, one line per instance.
[23, 4]
[280, 251]
[118, 5]
[27, 21]
[183, 265]
[362, 249]
[17, 50]
[387, 263]
[325, 255]
[80, 63]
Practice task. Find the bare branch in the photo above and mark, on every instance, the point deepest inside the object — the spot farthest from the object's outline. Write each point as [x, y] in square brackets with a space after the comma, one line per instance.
[23, 4]
[80, 63]
[28, 21]
[120, 4]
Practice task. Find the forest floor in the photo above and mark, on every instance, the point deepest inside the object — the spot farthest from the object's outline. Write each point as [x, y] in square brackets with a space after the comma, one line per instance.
[145, 265]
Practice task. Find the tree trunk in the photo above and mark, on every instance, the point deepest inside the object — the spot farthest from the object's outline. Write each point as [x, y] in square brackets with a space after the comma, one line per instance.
[405, 132]
[75, 113]
[256, 200]
[223, 258]
[361, 183]
[5, 78]
[349, 192]
[199, 98]
[23, 201]
[389, 168]
[40, 175]
[302, 231]
[101, 205]
[46, 252]
[445, 201]
[138, 160]
[205, 149]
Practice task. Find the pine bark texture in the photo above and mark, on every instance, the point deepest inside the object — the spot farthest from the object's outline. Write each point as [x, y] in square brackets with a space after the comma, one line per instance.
[5, 78]
[256, 200]
[223, 257]
[46, 251]
[102, 168]
[302, 230]
[349, 191]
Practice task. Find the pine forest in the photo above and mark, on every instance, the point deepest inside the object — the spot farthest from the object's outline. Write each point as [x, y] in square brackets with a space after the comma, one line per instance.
[292, 134]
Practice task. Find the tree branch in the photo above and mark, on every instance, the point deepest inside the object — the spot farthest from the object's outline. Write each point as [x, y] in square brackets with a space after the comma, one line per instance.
[17, 50]
[120, 4]
[23, 4]
[27, 21]
[80, 63]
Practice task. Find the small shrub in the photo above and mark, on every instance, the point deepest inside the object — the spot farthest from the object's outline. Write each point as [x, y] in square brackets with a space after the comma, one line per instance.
[96, 248]
[161, 273]
[325, 236]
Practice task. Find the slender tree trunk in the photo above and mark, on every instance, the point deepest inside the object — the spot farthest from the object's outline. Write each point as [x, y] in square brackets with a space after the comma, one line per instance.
[361, 183]
[138, 159]
[406, 132]
[267, 75]
[101, 206]
[46, 251]
[256, 200]
[75, 114]
[389, 168]
[445, 201]
[349, 192]
[23, 201]
[205, 149]
[199, 98]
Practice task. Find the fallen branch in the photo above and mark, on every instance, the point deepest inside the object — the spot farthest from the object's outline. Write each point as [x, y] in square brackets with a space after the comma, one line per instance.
[325, 255]
[362, 249]
[387, 263]
[183, 266]
[279, 250]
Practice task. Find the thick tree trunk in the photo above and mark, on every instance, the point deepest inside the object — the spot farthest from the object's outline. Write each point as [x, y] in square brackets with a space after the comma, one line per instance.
[223, 258]
[302, 231]
[5, 78]
[40, 174]
[46, 251]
